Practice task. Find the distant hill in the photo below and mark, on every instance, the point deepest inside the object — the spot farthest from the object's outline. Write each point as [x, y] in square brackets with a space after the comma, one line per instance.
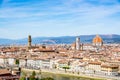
[61, 40]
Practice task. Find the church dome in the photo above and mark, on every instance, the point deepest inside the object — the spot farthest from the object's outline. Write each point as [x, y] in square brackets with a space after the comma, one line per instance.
[97, 39]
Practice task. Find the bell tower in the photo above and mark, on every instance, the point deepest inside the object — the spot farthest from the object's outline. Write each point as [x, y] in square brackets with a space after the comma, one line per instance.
[77, 43]
[29, 41]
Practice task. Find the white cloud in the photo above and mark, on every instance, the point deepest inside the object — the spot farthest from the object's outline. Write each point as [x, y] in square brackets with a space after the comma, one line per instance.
[69, 13]
[84, 10]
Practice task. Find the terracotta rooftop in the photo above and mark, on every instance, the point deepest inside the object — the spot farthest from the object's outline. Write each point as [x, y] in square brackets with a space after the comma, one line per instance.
[110, 66]
[94, 62]
[4, 71]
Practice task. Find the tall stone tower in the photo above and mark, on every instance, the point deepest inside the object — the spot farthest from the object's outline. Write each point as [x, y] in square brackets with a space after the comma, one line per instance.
[77, 43]
[29, 41]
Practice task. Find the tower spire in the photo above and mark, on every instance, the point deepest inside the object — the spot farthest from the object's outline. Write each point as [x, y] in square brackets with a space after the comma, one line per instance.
[29, 41]
[77, 43]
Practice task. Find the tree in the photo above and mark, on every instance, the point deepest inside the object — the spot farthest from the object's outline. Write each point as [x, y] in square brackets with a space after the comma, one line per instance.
[78, 72]
[40, 73]
[32, 77]
[24, 74]
[69, 63]
[17, 62]
[34, 73]
[66, 67]
[22, 78]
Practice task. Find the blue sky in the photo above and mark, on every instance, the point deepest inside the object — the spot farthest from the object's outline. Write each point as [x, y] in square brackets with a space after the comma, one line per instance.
[19, 18]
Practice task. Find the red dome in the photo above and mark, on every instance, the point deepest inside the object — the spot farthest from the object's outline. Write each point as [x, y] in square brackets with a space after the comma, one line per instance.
[97, 39]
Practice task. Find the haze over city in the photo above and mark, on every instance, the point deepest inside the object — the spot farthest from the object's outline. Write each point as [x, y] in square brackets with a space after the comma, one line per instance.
[19, 18]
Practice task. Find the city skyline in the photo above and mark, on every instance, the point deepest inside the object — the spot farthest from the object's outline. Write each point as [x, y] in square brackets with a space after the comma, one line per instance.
[19, 18]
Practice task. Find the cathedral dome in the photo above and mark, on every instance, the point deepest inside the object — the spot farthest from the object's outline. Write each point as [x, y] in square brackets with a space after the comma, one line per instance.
[97, 39]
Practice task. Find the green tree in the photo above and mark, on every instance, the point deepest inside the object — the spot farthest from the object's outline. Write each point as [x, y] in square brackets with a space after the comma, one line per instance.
[17, 62]
[34, 73]
[40, 73]
[22, 78]
[66, 67]
[32, 77]
[24, 73]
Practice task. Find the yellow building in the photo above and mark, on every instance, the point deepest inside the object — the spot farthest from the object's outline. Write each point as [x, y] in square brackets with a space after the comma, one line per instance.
[94, 66]
[110, 69]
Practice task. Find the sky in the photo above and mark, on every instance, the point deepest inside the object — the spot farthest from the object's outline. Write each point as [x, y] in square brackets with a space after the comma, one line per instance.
[50, 18]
